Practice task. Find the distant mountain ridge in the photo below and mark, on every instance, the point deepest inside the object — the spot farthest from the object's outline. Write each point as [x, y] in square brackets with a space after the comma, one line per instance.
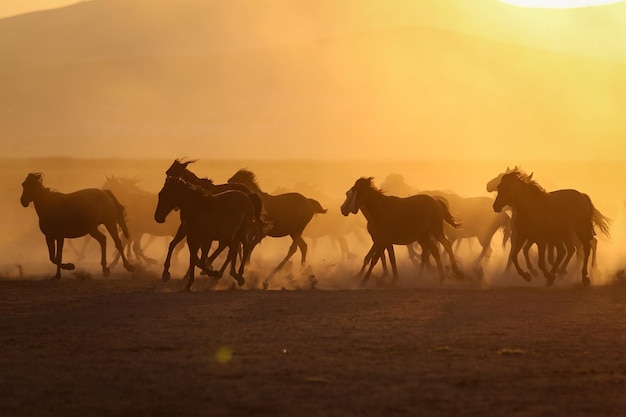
[163, 82]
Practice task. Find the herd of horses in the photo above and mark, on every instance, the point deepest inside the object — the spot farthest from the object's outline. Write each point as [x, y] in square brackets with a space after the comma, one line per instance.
[238, 215]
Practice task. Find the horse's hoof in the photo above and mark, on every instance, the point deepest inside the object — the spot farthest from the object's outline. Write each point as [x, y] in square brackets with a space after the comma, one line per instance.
[549, 281]
[106, 272]
[266, 284]
[534, 272]
[527, 277]
[68, 266]
[586, 281]
[214, 274]
[240, 280]
[165, 276]
[129, 268]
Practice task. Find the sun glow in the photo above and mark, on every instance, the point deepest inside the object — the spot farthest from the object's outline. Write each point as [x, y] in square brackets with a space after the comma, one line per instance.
[559, 4]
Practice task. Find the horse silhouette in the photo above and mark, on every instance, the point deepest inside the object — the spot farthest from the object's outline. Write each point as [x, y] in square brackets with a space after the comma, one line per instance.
[571, 244]
[179, 169]
[227, 217]
[65, 216]
[548, 218]
[400, 221]
[139, 205]
[287, 214]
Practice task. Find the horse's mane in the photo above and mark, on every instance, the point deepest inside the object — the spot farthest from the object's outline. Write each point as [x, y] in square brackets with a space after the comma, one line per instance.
[369, 181]
[526, 178]
[247, 176]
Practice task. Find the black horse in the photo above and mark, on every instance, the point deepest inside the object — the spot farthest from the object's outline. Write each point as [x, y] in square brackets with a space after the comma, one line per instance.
[179, 169]
[227, 217]
[74, 215]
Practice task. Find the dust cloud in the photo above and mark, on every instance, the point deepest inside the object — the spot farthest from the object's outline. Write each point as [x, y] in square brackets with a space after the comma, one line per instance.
[331, 263]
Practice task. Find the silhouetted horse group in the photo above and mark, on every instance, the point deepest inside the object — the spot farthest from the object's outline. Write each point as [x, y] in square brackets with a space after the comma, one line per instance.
[238, 215]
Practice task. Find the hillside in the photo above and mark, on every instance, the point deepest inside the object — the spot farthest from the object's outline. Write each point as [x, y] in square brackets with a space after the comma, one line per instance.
[112, 78]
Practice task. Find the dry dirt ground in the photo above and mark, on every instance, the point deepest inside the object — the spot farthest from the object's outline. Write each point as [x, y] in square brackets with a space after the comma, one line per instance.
[122, 346]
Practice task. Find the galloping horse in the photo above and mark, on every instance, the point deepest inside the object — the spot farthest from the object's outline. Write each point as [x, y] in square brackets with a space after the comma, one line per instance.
[548, 218]
[287, 214]
[74, 215]
[139, 205]
[572, 244]
[227, 217]
[400, 221]
[178, 169]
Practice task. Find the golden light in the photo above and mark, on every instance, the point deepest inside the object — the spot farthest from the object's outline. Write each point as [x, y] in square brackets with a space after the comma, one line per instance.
[559, 4]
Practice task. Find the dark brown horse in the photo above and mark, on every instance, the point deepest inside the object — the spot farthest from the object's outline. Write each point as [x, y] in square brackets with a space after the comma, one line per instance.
[400, 221]
[74, 215]
[548, 218]
[179, 169]
[286, 214]
[139, 205]
[227, 217]
[571, 244]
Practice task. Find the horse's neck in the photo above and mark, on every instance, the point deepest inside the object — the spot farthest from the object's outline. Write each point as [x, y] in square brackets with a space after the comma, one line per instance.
[530, 202]
[373, 208]
[193, 204]
[45, 199]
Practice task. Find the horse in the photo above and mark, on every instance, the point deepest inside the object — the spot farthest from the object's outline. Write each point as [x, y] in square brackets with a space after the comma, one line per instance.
[400, 221]
[179, 169]
[227, 217]
[332, 225]
[548, 218]
[479, 220]
[476, 214]
[65, 216]
[139, 206]
[572, 244]
[287, 214]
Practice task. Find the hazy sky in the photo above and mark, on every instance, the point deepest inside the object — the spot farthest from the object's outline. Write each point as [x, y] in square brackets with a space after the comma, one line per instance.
[427, 94]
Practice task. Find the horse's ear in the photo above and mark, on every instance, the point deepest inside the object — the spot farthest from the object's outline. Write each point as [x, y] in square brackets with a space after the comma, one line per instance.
[530, 177]
[508, 169]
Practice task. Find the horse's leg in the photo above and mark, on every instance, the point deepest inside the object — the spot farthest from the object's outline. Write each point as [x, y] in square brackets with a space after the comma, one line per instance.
[238, 275]
[139, 253]
[392, 261]
[428, 246]
[178, 237]
[112, 228]
[376, 255]
[193, 261]
[570, 250]
[527, 245]
[541, 249]
[585, 235]
[412, 254]
[448, 247]
[303, 248]
[516, 245]
[562, 249]
[593, 243]
[216, 273]
[102, 240]
[292, 249]
[366, 260]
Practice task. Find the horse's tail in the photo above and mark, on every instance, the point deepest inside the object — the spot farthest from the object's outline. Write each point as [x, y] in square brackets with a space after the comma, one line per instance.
[120, 213]
[317, 207]
[601, 222]
[447, 216]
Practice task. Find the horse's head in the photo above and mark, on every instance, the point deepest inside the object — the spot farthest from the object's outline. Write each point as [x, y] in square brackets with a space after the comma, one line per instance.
[168, 198]
[30, 187]
[177, 169]
[357, 196]
[507, 191]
